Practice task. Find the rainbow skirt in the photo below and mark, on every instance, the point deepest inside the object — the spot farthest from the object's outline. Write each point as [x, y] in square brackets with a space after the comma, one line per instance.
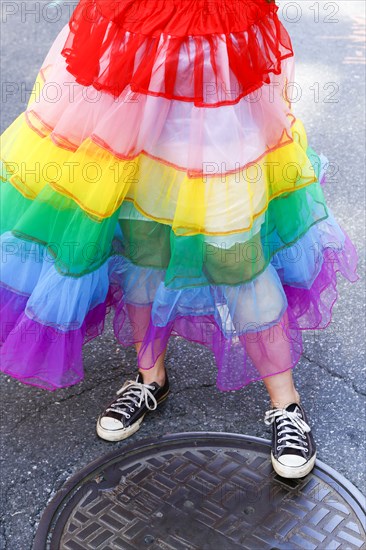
[160, 174]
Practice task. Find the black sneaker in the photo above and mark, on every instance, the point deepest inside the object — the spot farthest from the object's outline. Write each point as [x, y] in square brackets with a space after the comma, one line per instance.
[124, 415]
[293, 447]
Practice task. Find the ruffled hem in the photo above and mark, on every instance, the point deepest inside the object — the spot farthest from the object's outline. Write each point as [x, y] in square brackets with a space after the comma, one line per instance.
[41, 356]
[253, 330]
[53, 227]
[208, 63]
[99, 182]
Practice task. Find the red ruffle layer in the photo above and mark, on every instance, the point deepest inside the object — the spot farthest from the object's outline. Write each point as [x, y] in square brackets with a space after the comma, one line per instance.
[211, 52]
[178, 17]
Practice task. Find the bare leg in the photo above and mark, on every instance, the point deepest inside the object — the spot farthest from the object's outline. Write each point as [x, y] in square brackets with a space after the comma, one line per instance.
[139, 318]
[155, 373]
[281, 389]
[270, 353]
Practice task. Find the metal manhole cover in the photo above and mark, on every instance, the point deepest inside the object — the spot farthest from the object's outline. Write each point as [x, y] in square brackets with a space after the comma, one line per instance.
[201, 491]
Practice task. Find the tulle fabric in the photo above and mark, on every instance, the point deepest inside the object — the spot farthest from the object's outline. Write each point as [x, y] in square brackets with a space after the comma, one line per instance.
[254, 304]
[79, 243]
[207, 53]
[99, 181]
[127, 193]
[63, 301]
[71, 143]
[253, 330]
[176, 17]
[175, 132]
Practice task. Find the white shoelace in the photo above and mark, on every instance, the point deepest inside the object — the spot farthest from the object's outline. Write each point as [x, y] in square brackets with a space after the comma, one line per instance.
[291, 428]
[131, 392]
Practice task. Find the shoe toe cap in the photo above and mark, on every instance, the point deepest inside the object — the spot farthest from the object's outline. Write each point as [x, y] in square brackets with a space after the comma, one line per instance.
[110, 423]
[293, 461]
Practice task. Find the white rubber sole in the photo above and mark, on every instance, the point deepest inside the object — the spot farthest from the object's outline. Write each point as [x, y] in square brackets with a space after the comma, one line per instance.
[119, 435]
[291, 472]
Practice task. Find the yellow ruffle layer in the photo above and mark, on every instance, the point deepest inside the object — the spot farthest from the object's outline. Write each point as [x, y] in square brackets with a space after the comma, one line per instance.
[99, 182]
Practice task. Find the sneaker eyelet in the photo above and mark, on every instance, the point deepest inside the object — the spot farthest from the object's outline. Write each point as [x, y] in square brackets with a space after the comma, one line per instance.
[128, 416]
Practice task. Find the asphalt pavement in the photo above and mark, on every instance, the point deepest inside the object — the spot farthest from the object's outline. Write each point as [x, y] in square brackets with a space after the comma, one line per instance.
[48, 436]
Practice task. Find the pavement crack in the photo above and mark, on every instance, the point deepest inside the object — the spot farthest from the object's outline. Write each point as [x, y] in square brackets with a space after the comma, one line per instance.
[57, 402]
[335, 375]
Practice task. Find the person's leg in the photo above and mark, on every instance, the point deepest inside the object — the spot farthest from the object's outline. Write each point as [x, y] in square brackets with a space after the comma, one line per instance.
[270, 353]
[123, 416]
[140, 318]
[155, 373]
[281, 389]
[293, 448]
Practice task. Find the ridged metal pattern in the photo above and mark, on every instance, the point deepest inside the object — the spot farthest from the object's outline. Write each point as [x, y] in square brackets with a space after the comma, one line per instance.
[202, 491]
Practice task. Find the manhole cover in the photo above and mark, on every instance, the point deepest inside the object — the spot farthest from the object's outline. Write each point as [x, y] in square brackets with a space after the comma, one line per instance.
[198, 491]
